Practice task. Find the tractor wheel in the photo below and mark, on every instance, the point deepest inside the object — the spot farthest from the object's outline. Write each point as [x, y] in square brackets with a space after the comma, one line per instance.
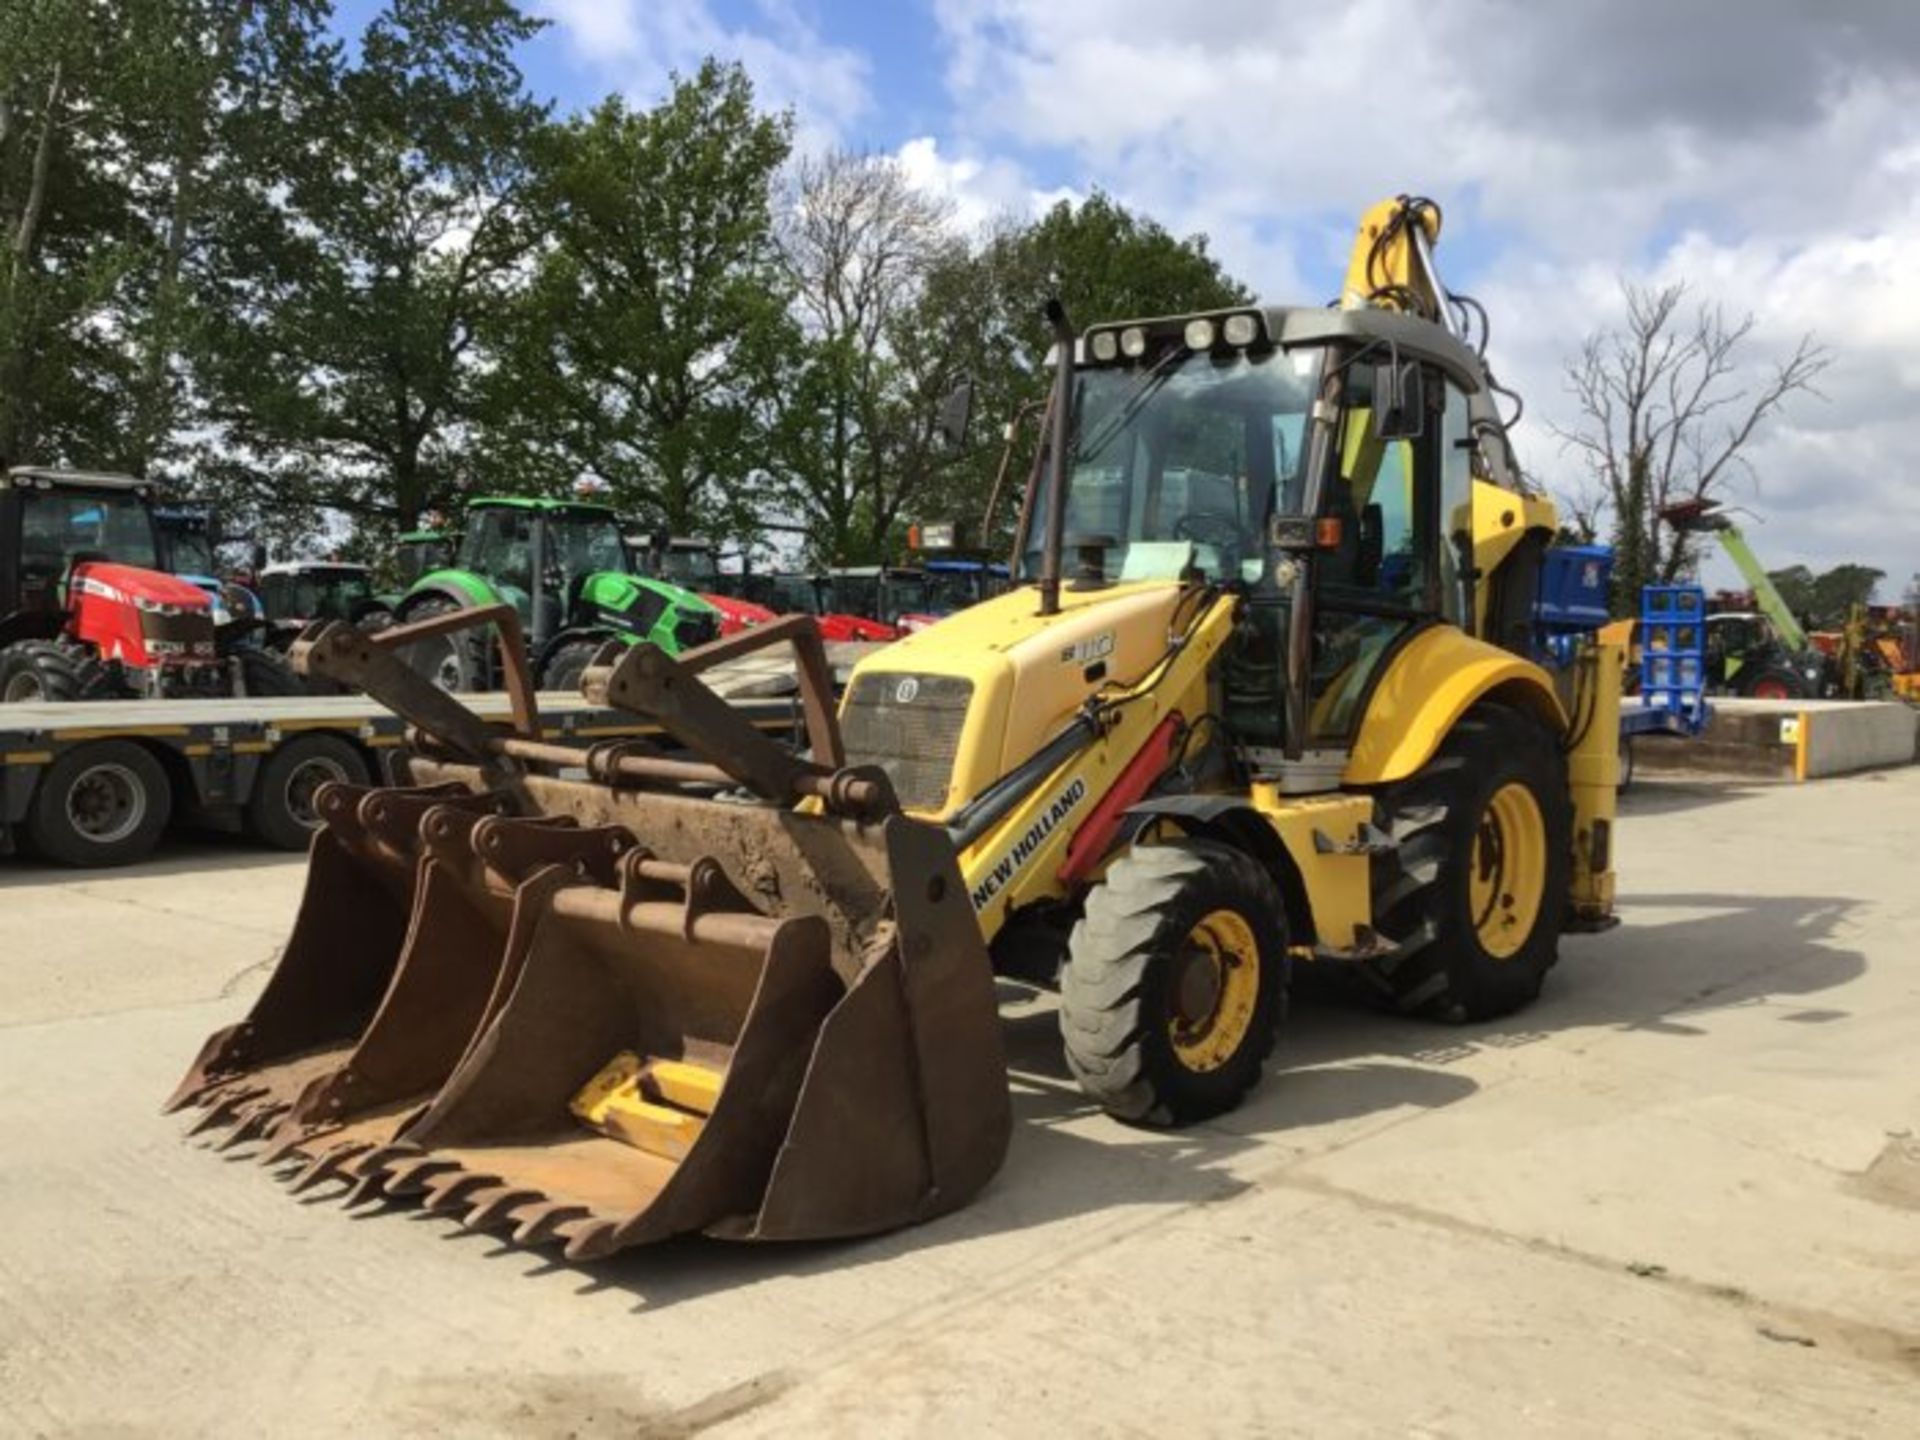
[565, 666]
[1175, 982]
[1474, 895]
[456, 663]
[264, 673]
[48, 670]
[102, 803]
[280, 810]
[1774, 682]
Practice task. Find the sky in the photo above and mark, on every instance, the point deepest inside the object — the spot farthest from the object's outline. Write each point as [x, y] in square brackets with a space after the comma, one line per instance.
[1764, 152]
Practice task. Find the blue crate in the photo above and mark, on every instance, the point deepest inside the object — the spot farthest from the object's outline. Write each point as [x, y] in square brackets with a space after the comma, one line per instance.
[1673, 649]
[1574, 583]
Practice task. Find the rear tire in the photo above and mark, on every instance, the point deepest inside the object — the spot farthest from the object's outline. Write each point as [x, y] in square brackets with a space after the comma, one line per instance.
[1175, 982]
[1474, 897]
[50, 670]
[101, 803]
[457, 662]
[280, 811]
[1774, 682]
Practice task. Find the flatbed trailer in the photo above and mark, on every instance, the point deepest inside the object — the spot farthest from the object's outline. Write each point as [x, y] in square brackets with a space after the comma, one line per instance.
[97, 783]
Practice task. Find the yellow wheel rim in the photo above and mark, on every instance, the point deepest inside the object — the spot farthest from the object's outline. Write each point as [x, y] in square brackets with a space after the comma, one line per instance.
[1216, 989]
[1509, 871]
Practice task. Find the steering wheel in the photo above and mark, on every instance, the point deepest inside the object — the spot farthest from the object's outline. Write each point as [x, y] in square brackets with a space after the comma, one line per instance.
[1214, 528]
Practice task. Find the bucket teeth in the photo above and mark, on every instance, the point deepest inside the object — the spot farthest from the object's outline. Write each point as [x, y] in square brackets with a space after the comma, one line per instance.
[493, 1207]
[593, 1240]
[325, 1166]
[542, 1223]
[370, 1185]
[282, 1148]
[225, 1109]
[410, 1177]
[256, 1124]
[449, 1193]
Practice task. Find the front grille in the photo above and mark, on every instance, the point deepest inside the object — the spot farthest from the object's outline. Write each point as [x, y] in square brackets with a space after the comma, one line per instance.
[908, 725]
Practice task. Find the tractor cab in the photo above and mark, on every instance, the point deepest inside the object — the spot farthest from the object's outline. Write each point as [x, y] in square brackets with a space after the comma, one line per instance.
[87, 609]
[886, 594]
[297, 593]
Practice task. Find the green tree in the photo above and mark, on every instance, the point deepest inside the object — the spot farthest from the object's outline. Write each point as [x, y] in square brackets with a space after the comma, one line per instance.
[345, 355]
[64, 210]
[1795, 584]
[647, 347]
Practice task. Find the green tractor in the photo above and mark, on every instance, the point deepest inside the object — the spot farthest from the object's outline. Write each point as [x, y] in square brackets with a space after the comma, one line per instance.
[562, 566]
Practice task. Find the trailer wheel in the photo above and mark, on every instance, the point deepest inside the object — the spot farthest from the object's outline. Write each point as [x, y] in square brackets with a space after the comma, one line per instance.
[1175, 983]
[1473, 897]
[102, 803]
[280, 811]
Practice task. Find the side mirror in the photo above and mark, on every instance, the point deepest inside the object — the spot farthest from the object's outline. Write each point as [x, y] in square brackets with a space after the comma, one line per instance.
[956, 416]
[1399, 401]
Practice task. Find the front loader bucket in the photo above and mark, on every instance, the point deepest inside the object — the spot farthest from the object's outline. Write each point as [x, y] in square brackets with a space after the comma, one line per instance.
[675, 1058]
[599, 997]
[340, 959]
[478, 878]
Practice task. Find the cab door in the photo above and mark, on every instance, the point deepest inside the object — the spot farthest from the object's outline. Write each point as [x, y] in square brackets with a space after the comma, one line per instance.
[1380, 575]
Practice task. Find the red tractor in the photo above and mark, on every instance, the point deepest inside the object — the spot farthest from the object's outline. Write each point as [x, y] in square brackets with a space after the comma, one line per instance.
[86, 611]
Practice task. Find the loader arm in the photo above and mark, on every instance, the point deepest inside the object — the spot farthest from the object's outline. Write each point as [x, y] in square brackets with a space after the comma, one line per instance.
[1057, 799]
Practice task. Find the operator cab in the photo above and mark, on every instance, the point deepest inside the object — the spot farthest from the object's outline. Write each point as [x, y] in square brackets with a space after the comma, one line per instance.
[60, 517]
[1193, 457]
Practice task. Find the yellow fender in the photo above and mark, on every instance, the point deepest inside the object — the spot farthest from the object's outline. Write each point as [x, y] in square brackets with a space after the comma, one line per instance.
[1429, 684]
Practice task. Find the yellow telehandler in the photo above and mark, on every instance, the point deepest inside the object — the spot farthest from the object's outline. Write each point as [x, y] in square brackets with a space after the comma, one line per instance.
[1273, 693]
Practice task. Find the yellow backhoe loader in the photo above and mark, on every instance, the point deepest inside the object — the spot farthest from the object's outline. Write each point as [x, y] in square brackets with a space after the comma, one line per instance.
[1271, 693]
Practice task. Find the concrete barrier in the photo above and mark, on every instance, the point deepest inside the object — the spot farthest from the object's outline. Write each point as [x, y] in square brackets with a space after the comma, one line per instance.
[1790, 739]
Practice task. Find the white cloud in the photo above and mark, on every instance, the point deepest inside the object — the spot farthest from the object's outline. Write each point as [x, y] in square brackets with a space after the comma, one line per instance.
[1767, 161]
[635, 43]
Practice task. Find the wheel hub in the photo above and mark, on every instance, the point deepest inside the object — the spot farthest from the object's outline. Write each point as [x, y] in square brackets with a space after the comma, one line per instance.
[1215, 991]
[106, 803]
[1509, 869]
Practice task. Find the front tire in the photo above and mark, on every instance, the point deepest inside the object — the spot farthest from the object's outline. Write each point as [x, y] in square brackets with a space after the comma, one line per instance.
[1473, 897]
[1175, 982]
[565, 666]
[49, 671]
[456, 662]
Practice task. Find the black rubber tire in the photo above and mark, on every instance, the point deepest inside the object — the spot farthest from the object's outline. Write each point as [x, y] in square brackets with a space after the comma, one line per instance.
[51, 670]
[1117, 989]
[279, 809]
[1422, 888]
[1788, 679]
[565, 666]
[55, 833]
[265, 673]
[456, 663]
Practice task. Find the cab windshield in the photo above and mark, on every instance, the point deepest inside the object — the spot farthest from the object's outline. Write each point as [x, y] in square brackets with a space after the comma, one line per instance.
[315, 594]
[59, 526]
[690, 565]
[190, 552]
[1181, 463]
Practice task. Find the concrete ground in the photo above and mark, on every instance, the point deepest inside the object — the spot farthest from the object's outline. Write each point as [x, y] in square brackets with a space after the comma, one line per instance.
[1679, 1196]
